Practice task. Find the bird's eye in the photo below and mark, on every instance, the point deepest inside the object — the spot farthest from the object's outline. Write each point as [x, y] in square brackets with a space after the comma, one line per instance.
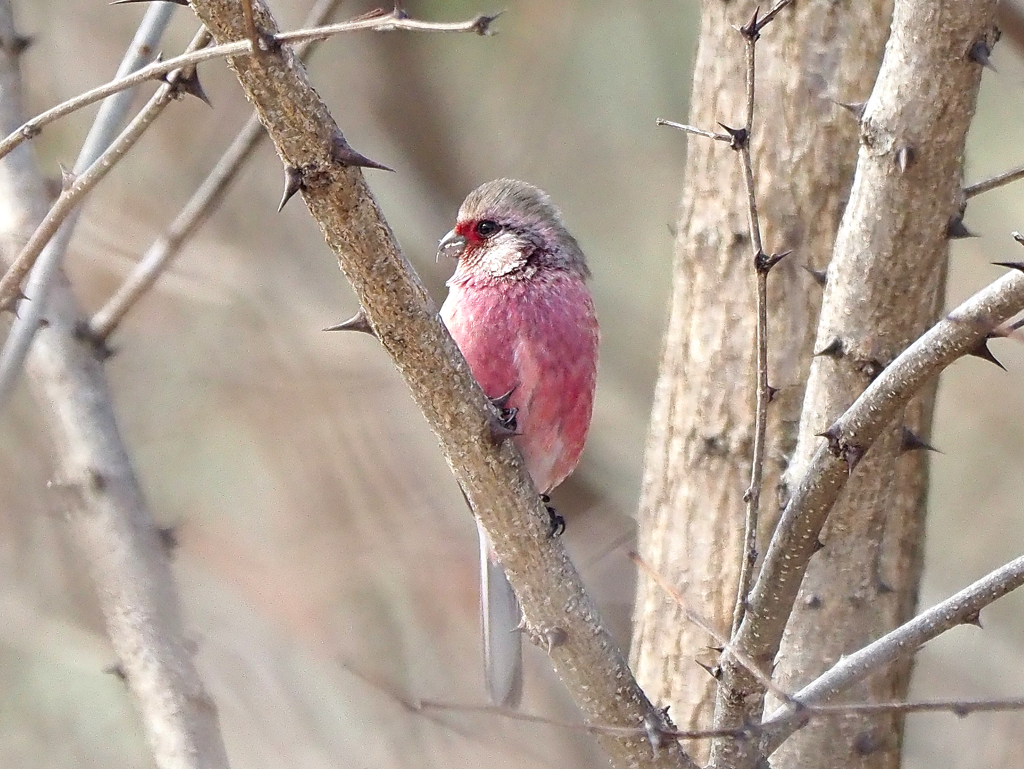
[486, 228]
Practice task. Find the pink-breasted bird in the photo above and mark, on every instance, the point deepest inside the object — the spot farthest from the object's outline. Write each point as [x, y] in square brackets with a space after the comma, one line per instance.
[519, 309]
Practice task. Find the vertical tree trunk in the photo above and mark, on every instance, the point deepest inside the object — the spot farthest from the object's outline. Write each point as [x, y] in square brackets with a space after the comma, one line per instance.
[698, 454]
[886, 286]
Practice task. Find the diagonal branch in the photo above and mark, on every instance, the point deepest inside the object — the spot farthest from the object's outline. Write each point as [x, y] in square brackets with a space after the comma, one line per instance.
[405, 320]
[391, 22]
[904, 641]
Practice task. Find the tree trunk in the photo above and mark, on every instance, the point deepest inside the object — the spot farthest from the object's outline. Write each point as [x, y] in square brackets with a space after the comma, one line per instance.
[886, 286]
[699, 448]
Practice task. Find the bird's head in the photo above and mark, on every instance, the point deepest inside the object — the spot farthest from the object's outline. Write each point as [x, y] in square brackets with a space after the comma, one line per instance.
[510, 230]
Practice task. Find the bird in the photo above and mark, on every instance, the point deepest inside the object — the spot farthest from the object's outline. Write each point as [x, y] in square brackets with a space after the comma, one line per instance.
[520, 311]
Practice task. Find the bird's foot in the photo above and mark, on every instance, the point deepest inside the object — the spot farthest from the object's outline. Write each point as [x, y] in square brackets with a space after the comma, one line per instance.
[504, 425]
[556, 521]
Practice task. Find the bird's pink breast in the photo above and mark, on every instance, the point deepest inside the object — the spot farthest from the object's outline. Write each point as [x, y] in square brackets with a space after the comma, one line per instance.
[537, 337]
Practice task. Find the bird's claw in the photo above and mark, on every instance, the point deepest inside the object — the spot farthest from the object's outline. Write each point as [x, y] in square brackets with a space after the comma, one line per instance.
[555, 521]
[506, 419]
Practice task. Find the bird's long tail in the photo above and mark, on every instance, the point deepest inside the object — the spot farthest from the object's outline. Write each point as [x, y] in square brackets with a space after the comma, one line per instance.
[500, 616]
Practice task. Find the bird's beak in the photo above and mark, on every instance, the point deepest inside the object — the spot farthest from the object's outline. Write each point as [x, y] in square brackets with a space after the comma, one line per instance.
[452, 245]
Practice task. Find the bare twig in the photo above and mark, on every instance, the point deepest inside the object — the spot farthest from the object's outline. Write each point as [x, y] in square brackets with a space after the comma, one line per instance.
[109, 519]
[739, 140]
[639, 731]
[903, 641]
[722, 640]
[762, 263]
[999, 180]
[718, 137]
[480, 25]
[195, 212]
[397, 306]
[109, 118]
[71, 196]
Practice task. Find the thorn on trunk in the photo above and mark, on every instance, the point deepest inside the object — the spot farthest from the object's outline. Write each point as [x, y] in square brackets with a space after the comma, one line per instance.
[714, 671]
[656, 724]
[358, 322]
[911, 441]
[817, 547]
[751, 30]
[67, 177]
[905, 157]
[981, 351]
[737, 136]
[981, 52]
[832, 436]
[344, 155]
[293, 182]
[500, 432]
[819, 276]
[855, 108]
[974, 619]
[115, 669]
[764, 262]
[17, 44]
[772, 392]
[554, 637]
[168, 539]
[957, 230]
[834, 349]
[188, 84]
[97, 481]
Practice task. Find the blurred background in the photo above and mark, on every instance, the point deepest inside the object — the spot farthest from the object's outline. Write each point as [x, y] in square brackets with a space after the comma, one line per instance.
[326, 561]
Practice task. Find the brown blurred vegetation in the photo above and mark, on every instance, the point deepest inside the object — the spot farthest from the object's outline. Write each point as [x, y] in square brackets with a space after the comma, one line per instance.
[325, 556]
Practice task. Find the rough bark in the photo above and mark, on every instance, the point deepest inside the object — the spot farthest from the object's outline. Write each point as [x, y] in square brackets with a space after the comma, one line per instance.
[886, 285]
[698, 455]
[558, 614]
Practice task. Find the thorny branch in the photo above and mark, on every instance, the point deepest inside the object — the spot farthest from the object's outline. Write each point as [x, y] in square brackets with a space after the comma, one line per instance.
[895, 164]
[390, 22]
[76, 188]
[321, 164]
[962, 608]
[811, 702]
[739, 140]
[196, 211]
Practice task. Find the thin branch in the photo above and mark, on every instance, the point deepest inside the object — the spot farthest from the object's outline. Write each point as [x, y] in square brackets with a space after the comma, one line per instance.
[959, 708]
[718, 137]
[962, 608]
[10, 284]
[739, 140]
[196, 211]
[109, 118]
[639, 731]
[398, 308]
[999, 180]
[480, 25]
[762, 264]
[106, 510]
[722, 640]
